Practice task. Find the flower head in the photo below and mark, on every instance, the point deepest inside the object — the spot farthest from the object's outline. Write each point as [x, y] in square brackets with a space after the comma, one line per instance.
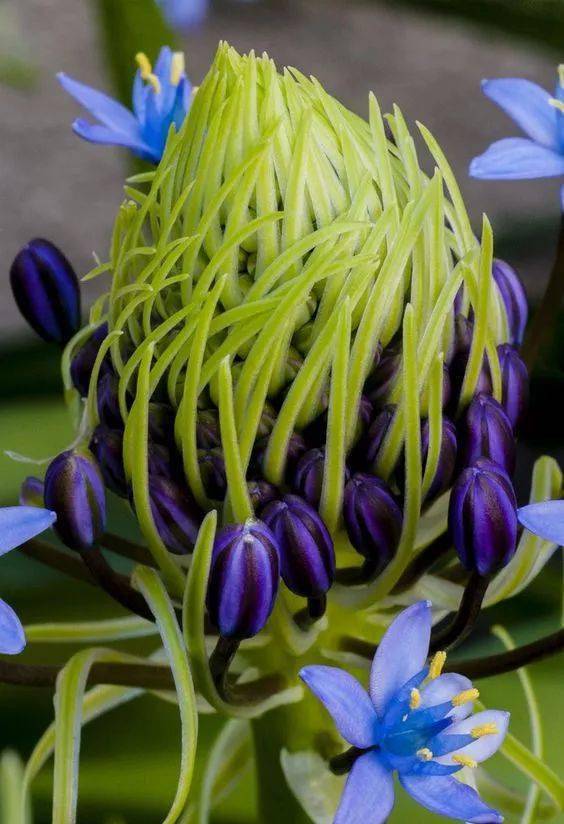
[413, 720]
[541, 116]
[161, 99]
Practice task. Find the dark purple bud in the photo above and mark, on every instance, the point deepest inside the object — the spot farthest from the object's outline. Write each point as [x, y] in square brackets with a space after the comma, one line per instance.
[515, 384]
[447, 457]
[493, 468]
[306, 548]
[31, 492]
[212, 470]
[161, 423]
[244, 579]
[262, 493]
[207, 429]
[47, 291]
[373, 519]
[382, 378]
[84, 358]
[107, 447]
[296, 448]
[514, 298]
[175, 512]
[365, 417]
[267, 421]
[108, 401]
[377, 433]
[486, 432]
[74, 489]
[308, 476]
[483, 520]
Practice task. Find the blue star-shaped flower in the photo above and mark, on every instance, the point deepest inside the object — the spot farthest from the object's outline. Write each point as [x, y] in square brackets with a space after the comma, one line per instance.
[414, 721]
[18, 524]
[161, 98]
[540, 116]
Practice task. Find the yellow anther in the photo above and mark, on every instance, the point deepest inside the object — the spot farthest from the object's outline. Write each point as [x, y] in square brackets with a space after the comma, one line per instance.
[414, 699]
[464, 697]
[424, 754]
[485, 729]
[465, 761]
[437, 665]
[558, 104]
[147, 71]
[561, 74]
[177, 68]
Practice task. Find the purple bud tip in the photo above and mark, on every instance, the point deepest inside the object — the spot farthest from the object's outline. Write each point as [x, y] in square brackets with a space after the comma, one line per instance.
[383, 376]
[84, 358]
[212, 470]
[376, 434]
[176, 514]
[107, 447]
[261, 493]
[108, 401]
[31, 492]
[46, 290]
[515, 384]
[463, 333]
[244, 579]
[486, 432]
[373, 519]
[483, 518]
[74, 490]
[514, 297]
[306, 548]
[447, 457]
[308, 476]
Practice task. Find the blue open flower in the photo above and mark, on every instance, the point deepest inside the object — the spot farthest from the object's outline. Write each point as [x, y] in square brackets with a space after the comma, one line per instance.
[545, 519]
[540, 116]
[415, 721]
[18, 524]
[161, 98]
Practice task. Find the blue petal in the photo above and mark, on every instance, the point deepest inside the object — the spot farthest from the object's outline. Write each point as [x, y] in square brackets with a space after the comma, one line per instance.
[108, 111]
[545, 519]
[444, 795]
[516, 158]
[100, 134]
[19, 524]
[444, 688]
[346, 701]
[12, 636]
[163, 65]
[479, 749]
[528, 105]
[184, 14]
[140, 91]
[368, 796]
[401, 654]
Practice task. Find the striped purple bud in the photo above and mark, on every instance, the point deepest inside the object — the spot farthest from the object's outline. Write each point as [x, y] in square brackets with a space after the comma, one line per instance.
[306, 548]
[46, 290]
[107, 446]
[514, 297]
[176, 514]
[373, 519]
[74, 489]
[376, 434]
[107, 397]
[84, 358]
[261, 493]
[244, 579]
[207, 429]
[31, 492]
[308, 476]
[486, 432]
[515, 384]
[212, 470]
[447, 457]
[483, 518]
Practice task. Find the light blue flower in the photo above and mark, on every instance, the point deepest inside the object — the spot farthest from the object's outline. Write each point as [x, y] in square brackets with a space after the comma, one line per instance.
[161, 98]
[414, 721]
[540, 116]
[545, 519]
[184, 14]
[18, 524]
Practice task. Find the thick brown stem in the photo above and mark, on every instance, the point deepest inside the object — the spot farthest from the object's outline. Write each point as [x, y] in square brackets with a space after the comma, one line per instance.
[128, 549]
[116, 585]
[46, 554]
[454, 630]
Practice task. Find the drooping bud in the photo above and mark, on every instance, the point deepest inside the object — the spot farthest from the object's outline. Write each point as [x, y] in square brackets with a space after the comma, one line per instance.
[486, 432]
[373, 519]
[107, 446]
[376, 434]
[514, 298]
[306, 549]
[46, 290]
[74, 489]
[212, 470]
[483, 520]
[176, 514]
[84, 358]
[31, 492]
[383, 376]
[108, 401]
[261, 493]
[244, 579]
[447, 457]
[515, 384]
[308, 476]
[207, 429]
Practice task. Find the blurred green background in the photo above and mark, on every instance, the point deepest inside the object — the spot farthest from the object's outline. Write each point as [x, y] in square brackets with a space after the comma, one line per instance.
[428, 55]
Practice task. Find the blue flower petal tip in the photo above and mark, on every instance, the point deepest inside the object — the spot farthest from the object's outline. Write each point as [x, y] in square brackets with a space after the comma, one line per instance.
[545, 519]
[12, 636]
[19, 524]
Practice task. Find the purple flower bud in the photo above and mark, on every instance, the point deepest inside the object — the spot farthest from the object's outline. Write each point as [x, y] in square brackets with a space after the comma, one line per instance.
[175, 512]
[84, 358]
[382, 378]
[46, 290]
[207, 429]
[483, 520]
[244, 579]
[377, 433]
[365, 417]
[308, 476]
[108, 401]
[74, 489]
[515, 384]
[161, 423]
[514, 297]
[373, 519]
[306, 548]
[262, 493]
[447, 392]
[296, 448]
[31, 492]
[107, 447]
[447, 457]
[486, 433]
[212, 470]
[463, 332]
[267, 421]
[163, 462]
